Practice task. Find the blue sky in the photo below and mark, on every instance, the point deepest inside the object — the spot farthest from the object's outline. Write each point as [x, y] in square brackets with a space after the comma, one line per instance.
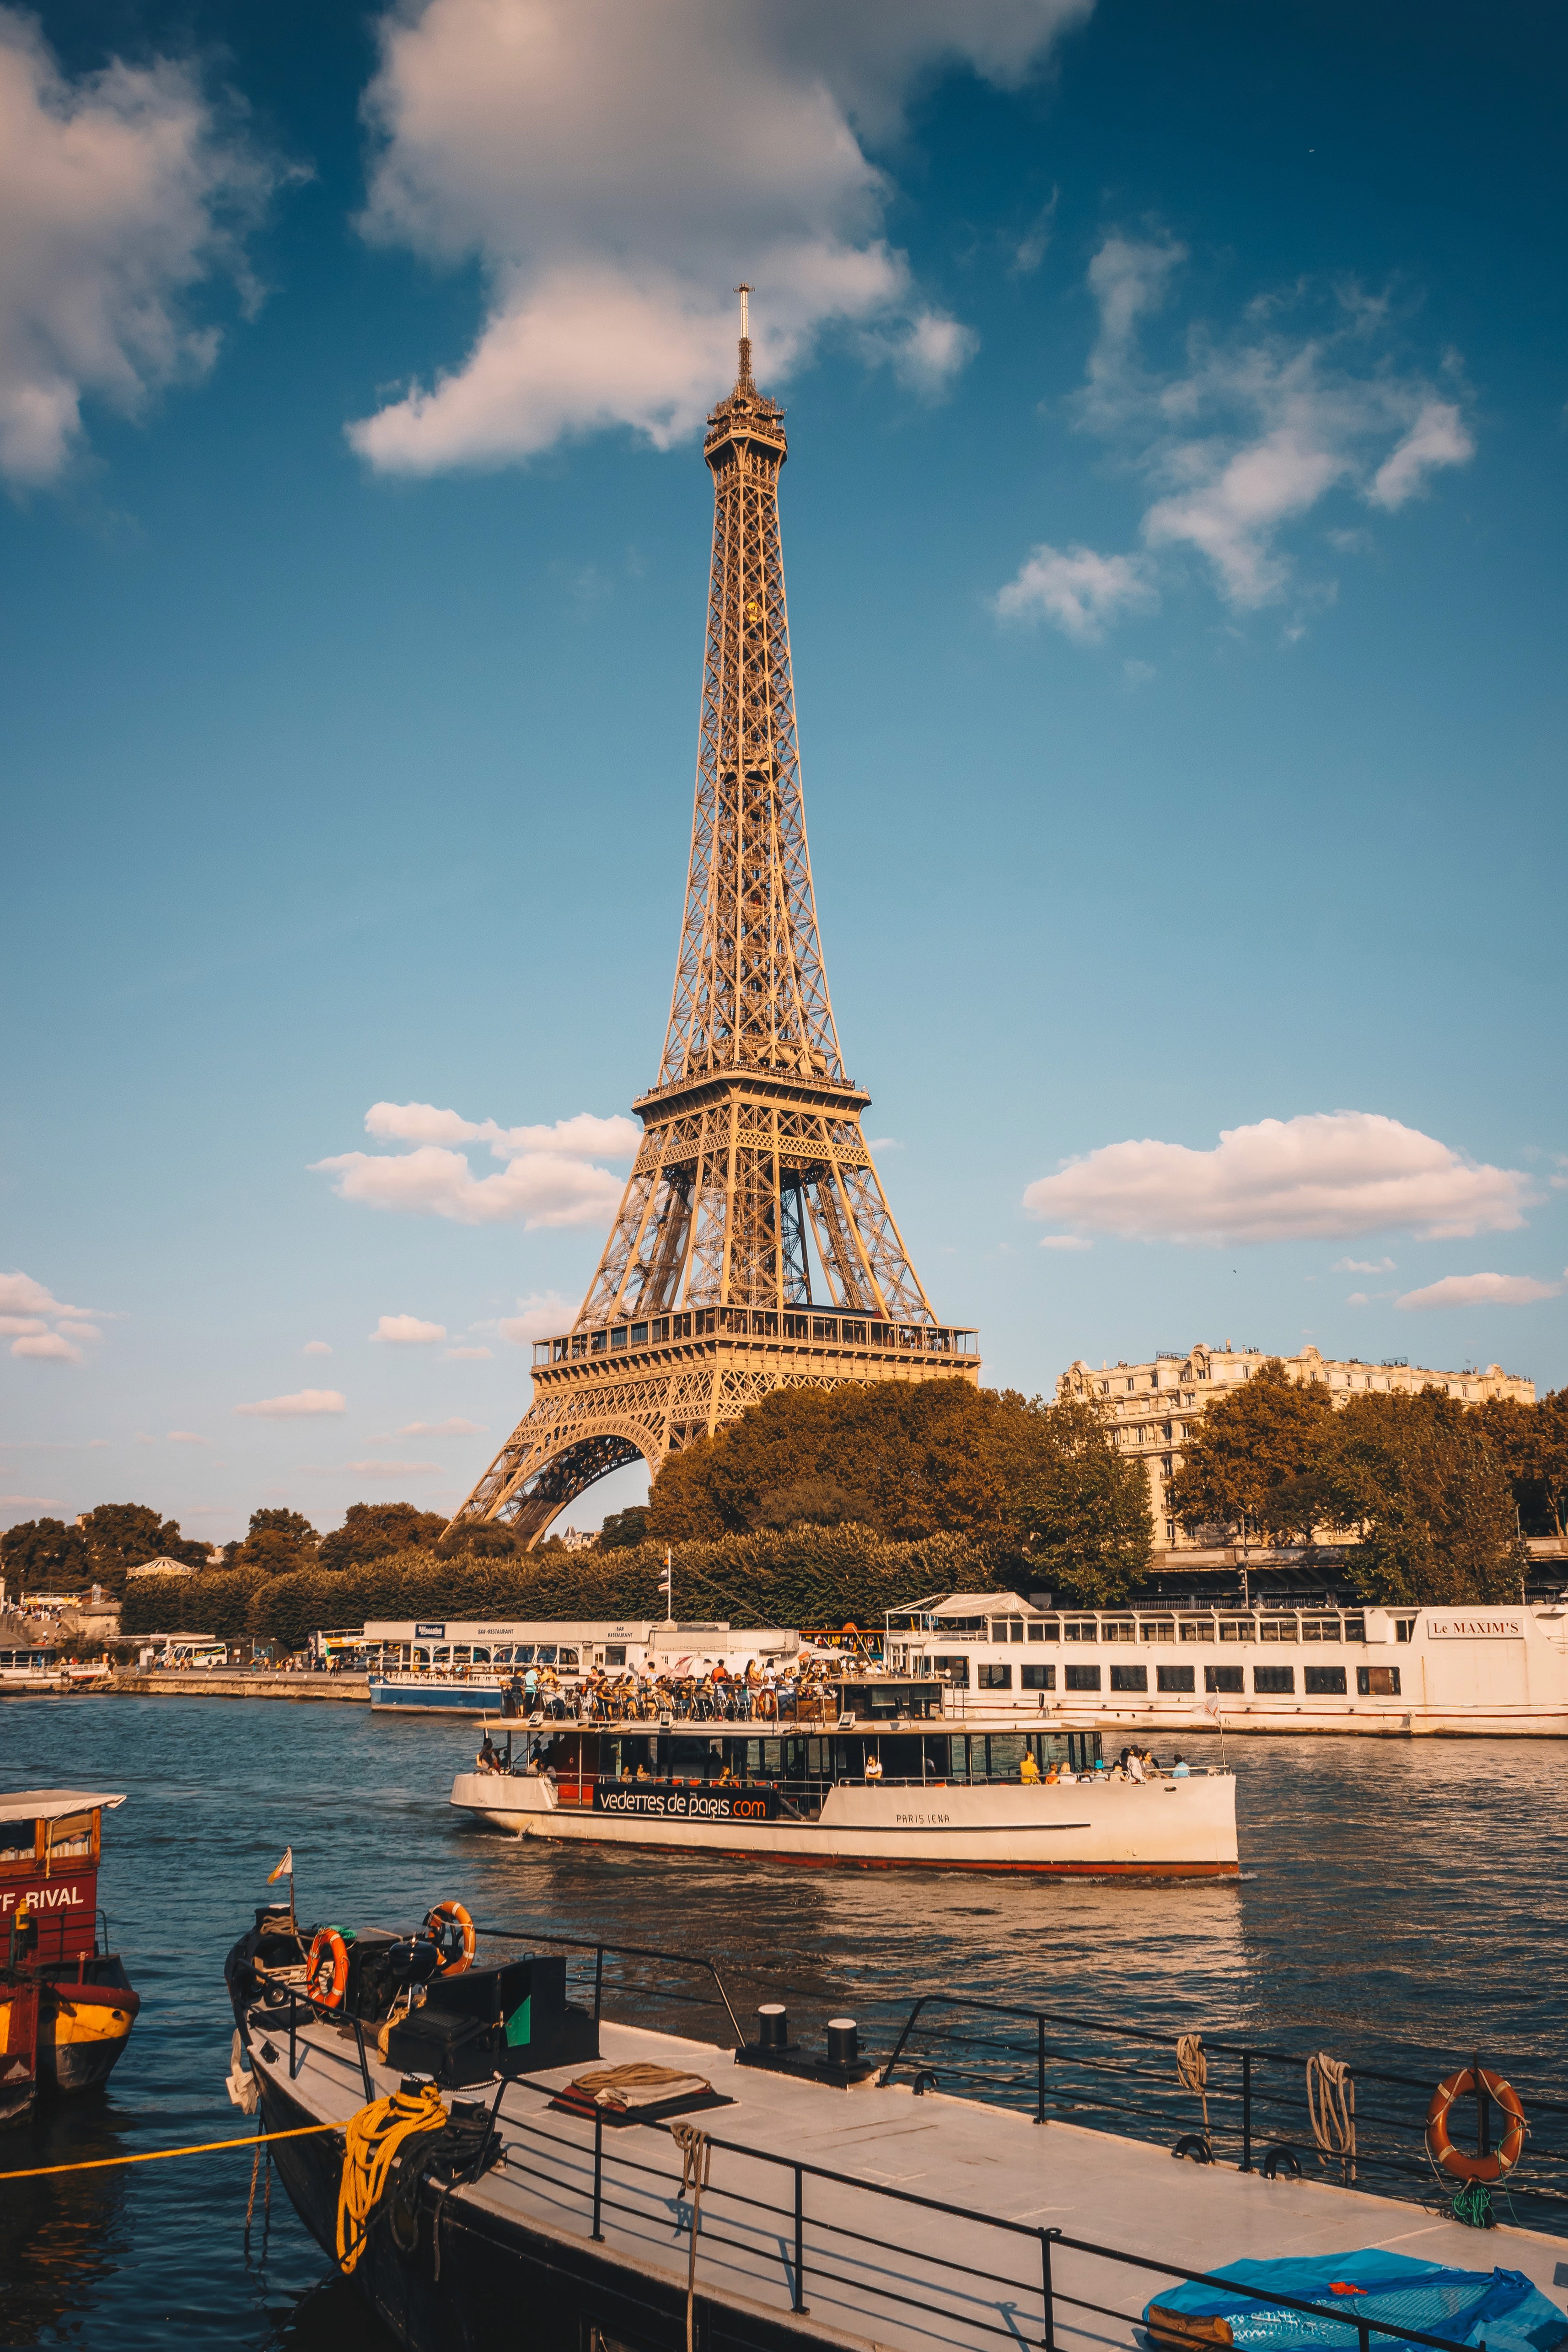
[1174, 528]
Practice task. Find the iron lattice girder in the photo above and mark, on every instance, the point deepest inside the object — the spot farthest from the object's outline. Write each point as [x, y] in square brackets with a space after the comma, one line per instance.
[751, 1136]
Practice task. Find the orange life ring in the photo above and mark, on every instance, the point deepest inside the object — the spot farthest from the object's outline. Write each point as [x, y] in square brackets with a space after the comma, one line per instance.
[327, 1970]
[1453, 2160]
[451, 1929]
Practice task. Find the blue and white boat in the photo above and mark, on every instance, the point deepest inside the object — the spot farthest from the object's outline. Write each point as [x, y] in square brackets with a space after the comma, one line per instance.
[473, 1666]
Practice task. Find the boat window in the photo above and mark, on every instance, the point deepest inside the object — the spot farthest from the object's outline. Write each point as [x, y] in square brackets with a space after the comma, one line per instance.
[1278, 1681]
[1006, 1755]
[545, 1654]
[443, 1656]
[1079, 1628]
[1128, 1678]
[955, 1671]
[1404, 1627]
[479, 1657]
[1036, 1678]
[1237, 1629]
[522, 1654]
[72, 1835]
[1277, 1629]
[567, 1658]
[1157, 1629]
[1083, 1678]
[18, 1843]
[1197, 1629]
[1117, 1628]
[1324, 1682]
[614, 1654]
[1320, 1629]
[1222, 1678]
[1044, 1629]
[1377, 1682]
[995, 1678]
[1174, 1679]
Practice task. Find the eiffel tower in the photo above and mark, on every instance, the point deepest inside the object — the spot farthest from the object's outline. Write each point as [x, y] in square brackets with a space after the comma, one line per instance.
[752, 1159]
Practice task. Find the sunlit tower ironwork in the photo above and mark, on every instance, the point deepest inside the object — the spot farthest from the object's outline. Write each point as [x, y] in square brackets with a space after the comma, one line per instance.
[752, 1170]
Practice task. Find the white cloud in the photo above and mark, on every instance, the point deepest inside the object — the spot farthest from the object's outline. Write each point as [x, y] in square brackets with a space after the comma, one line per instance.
[315, 1347]
[614, 171]
[1065, 1241]
[188, 1437]
[1357, 1298]
[1076, 590]
[32, 1502]
[548, 1177]
[540, 1317]
[1480, 1290]
[291, 1408]
[1361, 1265]
[1250, 431]
[80, 1330]
[1322, 1174]
[47, 1344]
[1437, 437]
[22, 1326]
[456, 1427]
[407, 1332]
[467, 1355]
[120, 193]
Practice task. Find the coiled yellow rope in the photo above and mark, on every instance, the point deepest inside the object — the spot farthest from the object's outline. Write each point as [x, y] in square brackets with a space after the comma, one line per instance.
[372, 2141]
[1331, 2106]
[1193, 2070]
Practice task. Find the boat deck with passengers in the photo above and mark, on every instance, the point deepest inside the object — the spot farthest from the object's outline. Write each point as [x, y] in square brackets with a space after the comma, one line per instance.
[865, 1771]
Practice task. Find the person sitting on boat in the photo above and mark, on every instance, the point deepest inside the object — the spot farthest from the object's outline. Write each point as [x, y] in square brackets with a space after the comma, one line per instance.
[1028, 1770]
[1135, 1766]
[1181, 1770]
[873, 1767]
[487, 1761]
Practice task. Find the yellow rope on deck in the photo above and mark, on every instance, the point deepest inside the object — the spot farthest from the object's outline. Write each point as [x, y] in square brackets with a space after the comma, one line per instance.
[372, 2141]
[158, 2155]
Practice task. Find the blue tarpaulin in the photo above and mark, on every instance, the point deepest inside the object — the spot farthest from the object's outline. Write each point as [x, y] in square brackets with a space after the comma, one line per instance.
[1500, 2309]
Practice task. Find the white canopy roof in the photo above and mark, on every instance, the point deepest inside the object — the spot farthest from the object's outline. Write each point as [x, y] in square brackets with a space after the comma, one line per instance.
[48, 1804]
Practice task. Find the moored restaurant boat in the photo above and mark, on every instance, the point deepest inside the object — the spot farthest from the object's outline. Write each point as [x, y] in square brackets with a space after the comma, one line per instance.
[867, 1772]
[1499, 1671]
[66, 2005]
[478, 1666]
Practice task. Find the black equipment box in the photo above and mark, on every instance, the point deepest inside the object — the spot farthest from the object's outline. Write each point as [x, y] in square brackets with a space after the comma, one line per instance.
[510, 2020]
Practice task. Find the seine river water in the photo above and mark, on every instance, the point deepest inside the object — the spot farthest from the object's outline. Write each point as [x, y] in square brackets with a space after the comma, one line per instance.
[1409, 1893]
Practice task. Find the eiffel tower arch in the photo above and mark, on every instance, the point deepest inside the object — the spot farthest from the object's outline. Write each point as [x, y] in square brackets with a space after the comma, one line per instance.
[752, 1164]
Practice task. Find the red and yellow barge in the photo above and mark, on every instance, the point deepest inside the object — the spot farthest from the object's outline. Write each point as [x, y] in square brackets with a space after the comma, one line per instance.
[66, 2005]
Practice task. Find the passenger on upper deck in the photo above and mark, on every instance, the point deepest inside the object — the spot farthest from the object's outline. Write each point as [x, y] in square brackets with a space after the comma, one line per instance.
[1028, 1770]
[1181, 1770]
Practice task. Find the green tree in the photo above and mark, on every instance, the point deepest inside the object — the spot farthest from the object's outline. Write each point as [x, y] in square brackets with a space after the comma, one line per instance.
[624, 1530]
[279, 1543]
[1415, 1480]
[1254, 1463]
[1078, 1508]
[370, 1530]
[123, 1536]
[44, 1556]
[480, 1540]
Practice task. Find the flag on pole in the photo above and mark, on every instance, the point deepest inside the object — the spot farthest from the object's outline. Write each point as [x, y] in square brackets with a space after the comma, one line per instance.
[285, 1868]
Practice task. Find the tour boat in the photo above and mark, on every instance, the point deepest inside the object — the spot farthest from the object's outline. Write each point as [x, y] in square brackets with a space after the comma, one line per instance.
[474, 1667]
[1161, 1672]
[873, 1774]
[66, 2005]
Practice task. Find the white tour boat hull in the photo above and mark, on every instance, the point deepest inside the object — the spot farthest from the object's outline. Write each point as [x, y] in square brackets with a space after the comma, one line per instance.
[1162, 1828]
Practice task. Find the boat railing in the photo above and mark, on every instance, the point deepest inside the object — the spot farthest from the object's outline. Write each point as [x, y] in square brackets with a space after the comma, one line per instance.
[1255, 2108]
[831, 2236]
[1254, 2111]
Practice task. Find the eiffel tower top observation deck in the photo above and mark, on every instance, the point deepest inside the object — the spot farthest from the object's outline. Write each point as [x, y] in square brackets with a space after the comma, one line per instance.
[753, 1248]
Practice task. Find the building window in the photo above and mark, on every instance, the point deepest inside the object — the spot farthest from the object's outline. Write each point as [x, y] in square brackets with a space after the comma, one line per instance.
[616, 1654]
[1083, 1678]
[1128, 1678]
[1404, 1627]
[1325, 1682]
[1377, 1682]
[1036, 1678]
[1222, 1678]
[995, 1678]
[1174, 1679]
[1280, 1681]
[954, 1672]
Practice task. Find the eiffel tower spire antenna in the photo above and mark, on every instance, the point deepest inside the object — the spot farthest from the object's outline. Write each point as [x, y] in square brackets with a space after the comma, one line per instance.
[752, 1163]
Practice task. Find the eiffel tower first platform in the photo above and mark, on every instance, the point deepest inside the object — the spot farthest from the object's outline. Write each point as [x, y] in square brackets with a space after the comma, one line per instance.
[752, 1163]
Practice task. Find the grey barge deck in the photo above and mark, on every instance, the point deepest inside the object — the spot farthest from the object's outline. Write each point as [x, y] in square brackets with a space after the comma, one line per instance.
[817, 2225]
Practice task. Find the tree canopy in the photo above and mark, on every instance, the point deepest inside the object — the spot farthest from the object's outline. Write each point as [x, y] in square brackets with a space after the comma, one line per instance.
[1253, 1462]
[44, 1556]
[370, 1530]
[278, 1542]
